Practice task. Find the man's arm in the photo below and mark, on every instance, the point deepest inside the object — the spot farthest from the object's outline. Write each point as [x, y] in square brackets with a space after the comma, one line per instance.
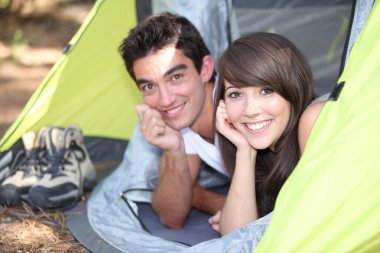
[177, 191]
[172, 199]
[207, 201]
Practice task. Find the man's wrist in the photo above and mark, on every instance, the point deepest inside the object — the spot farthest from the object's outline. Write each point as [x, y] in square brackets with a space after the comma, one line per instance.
[177, 147]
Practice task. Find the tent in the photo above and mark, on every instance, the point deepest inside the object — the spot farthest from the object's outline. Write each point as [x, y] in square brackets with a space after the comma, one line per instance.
[91, 66]
[89, 86]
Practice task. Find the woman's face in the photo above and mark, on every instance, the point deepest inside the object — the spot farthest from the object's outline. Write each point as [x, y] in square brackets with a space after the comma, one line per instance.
[259, 114]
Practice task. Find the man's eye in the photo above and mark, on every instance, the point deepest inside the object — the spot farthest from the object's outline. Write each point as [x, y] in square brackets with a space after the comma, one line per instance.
[266, 91]
[147, 87]
[176, 76]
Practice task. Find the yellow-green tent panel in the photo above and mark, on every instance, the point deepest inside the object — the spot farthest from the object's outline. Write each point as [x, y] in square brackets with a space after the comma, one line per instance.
[89, 85]
[331, 202]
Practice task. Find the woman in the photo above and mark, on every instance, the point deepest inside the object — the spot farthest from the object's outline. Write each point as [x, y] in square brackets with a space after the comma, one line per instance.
[265, 84]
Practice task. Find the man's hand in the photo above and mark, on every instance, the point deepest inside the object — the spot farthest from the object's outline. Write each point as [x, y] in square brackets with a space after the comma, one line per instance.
[155, 130]
[172, 197]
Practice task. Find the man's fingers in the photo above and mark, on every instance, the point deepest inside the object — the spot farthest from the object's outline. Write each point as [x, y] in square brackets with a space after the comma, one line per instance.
[144, 111]
[158, 130]
[140, 110]
[152, 125]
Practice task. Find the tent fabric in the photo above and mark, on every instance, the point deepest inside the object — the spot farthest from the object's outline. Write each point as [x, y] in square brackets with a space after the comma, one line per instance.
[196, 230]
[318, 28]
[242, 240]
[211, 27]
[77, 222]
[361, 13]
[331, 201]
[88, 86]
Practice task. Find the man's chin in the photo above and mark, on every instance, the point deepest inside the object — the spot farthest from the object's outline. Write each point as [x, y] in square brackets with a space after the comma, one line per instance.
[176, 125]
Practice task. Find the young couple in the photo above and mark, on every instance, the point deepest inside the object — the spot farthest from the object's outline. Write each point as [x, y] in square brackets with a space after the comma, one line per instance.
[261, 105]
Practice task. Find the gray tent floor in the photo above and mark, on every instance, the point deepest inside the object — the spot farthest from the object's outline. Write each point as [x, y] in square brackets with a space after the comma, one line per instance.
[197, 229]
[79, 226]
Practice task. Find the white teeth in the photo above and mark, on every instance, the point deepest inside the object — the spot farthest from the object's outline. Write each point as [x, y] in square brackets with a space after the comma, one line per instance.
[172, 111]
[258, 126]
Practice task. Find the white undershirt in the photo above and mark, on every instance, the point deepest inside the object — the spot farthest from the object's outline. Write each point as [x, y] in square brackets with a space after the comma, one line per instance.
[208, 152]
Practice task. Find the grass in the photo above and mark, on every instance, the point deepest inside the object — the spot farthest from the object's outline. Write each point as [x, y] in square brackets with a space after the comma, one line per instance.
[25, 230]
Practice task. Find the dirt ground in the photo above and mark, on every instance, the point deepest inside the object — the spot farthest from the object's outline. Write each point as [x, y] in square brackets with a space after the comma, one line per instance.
[31, 40]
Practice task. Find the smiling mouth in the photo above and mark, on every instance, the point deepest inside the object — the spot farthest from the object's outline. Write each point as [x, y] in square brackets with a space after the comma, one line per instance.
[258, 126]
[173, 112]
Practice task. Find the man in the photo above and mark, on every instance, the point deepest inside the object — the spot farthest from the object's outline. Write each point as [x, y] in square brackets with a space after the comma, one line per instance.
[170, 63]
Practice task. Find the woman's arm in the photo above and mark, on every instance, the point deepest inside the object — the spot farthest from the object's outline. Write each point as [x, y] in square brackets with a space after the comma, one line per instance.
[240, 207]
[306, 123]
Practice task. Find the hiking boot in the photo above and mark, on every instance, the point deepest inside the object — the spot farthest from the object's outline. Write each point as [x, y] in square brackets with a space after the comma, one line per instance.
[26, 171]
[11, 160]
[69, 170]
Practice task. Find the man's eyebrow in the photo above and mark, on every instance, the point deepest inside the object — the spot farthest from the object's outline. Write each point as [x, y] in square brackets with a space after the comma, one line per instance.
[167, 73]
[142, 81]
[175, 68]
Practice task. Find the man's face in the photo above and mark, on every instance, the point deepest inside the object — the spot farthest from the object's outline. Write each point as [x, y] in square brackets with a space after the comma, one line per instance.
[170, 84]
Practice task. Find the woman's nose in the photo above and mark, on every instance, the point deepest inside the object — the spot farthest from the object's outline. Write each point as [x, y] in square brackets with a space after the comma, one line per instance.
[252, 107]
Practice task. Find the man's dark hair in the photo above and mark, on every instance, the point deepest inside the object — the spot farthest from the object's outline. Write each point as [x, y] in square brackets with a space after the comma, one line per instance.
[158, 31]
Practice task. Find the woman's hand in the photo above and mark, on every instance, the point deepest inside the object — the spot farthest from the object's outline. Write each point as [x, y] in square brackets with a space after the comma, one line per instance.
[214, 221]
[225, 127]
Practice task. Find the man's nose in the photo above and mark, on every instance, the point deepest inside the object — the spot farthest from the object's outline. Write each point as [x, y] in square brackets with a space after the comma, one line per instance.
[166, 96]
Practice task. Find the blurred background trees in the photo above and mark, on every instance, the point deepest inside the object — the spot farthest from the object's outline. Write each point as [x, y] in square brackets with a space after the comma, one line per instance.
[33, 34]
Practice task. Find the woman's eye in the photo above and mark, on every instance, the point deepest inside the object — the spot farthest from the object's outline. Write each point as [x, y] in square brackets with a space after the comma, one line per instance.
[266, 91]
[234, 94]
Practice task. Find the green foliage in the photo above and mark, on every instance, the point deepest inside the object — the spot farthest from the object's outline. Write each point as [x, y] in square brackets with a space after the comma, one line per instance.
[17, 39]
[66, 2]
[70, 2]
[17, 42]
[4, 4]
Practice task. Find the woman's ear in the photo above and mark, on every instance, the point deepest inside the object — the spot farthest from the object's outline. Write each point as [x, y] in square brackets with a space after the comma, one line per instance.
[207, 68]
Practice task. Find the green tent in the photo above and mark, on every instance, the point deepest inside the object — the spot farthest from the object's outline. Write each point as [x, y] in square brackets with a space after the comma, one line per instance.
[89, 85]
[331, 202]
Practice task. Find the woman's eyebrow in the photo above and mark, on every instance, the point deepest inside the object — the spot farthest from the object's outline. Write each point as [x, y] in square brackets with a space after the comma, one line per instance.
[229, 87]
